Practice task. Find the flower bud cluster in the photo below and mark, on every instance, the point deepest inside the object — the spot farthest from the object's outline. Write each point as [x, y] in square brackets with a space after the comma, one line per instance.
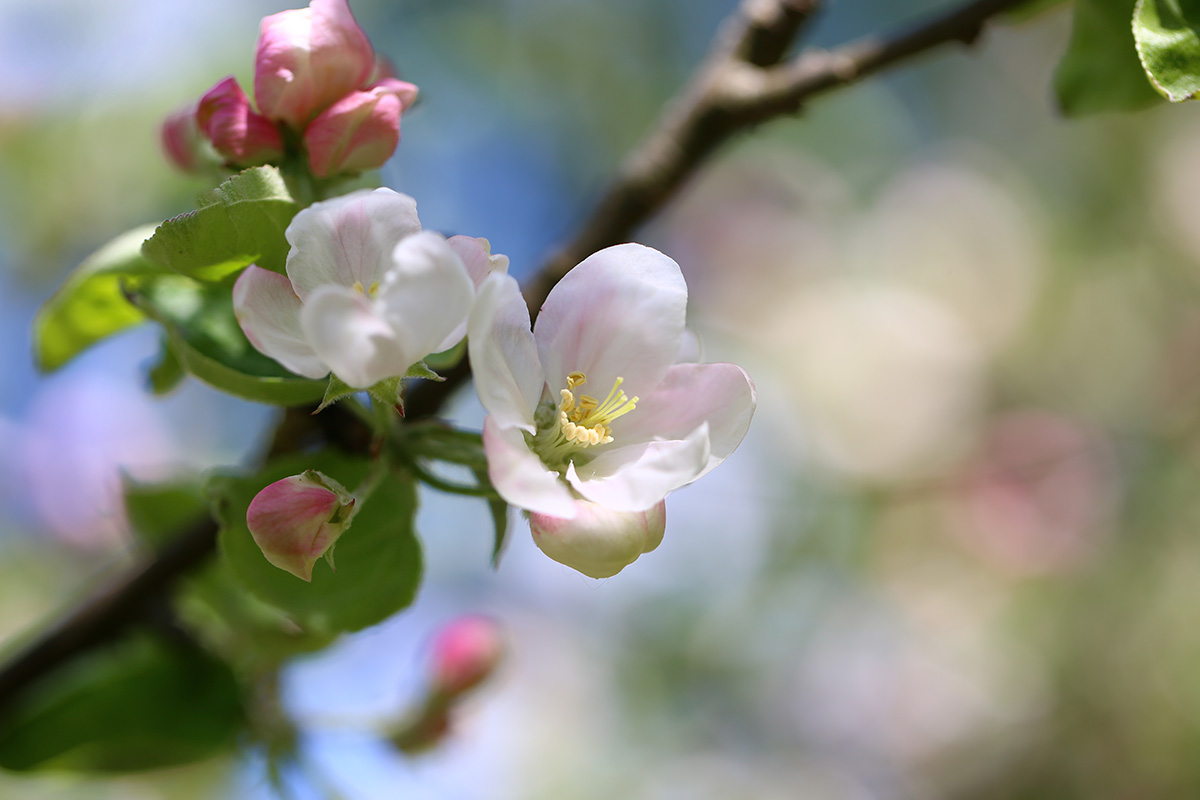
[320, 90]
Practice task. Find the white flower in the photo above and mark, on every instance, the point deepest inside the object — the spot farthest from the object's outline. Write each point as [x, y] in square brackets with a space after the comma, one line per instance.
[614, 324]
[367, 294]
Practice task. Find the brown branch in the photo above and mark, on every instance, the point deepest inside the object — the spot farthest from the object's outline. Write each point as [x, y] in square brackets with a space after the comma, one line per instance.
[744, 82]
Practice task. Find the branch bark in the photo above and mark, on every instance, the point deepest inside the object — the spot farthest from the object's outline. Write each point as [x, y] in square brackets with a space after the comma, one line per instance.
[744, 82]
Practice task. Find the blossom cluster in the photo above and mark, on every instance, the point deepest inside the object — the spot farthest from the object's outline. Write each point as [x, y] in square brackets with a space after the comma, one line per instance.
[368, 293]
[318, 86]
[591, 422]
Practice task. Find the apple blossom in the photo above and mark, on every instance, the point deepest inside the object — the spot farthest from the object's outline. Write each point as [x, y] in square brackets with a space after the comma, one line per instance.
[616, 320]
[241, 136]
[295, 521]
[182, 140]
[367, 293]
[307, 58]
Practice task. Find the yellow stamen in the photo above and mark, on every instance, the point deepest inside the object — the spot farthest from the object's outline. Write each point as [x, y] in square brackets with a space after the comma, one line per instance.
[586, 422]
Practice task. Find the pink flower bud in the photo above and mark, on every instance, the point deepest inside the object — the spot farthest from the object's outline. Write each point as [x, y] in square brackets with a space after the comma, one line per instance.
[295, 521]
[181, 140]
[599, 542]
[239, 134]
[465, 653]
[358, 132]
[308, 58]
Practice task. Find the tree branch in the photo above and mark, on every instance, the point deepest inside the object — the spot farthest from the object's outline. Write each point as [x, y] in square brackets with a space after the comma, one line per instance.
[742, 83]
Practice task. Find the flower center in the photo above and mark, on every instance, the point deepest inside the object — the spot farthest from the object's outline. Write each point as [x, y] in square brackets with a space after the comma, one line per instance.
[374, 290]
[578, 422]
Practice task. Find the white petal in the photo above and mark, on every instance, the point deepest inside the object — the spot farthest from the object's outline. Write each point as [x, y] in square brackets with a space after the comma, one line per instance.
[426, 295]
[476, 254]
[520, 476]
[636, 477]
[348, 239]
[269, 313]
[504, 360]
[348, 334]
[599, 542]
[721, 395]
[620, 313]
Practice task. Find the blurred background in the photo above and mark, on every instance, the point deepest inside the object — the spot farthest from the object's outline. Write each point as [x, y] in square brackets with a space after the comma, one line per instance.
[957, 555]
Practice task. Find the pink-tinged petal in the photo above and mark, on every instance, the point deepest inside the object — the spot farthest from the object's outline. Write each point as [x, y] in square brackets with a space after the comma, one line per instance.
[520, 476]
[351, 338]
[269, 313]
[182, 141]
[360, 131]
[465, 653]
[721, 395]
[504, 359]
[237, 133]
[635, 477]
[619, 313]
[426, 295]
[599, 542]
[294, 521]
[349, 239]
[476, 254]
[307, 59]
[404, 91]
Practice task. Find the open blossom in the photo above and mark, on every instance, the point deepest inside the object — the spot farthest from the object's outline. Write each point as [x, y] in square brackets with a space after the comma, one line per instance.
[600, 459]
[315, 74]
[367, 293]
[295, 521]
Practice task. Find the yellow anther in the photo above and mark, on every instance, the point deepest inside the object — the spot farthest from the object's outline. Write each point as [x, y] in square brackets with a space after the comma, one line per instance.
[586, 421]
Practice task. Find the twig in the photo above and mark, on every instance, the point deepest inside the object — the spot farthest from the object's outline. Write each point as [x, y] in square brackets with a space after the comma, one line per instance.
[743, 83]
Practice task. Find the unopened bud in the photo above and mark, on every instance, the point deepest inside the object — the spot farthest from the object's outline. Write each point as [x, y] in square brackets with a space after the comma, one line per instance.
[182, 141]
[308, 58]
[599, 542]
[465, 653]
[297, 520]
[360, 131]
[241, 136]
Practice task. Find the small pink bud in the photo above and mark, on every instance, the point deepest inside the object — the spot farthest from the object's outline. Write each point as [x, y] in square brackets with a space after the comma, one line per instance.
[182, 141]
[599, 542]
[297, 520]
[465, 653]
[307, 58]
[239, 134]
[358, 132]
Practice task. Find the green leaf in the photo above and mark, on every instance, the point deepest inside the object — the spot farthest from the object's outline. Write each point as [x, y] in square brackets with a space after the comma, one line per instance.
[90, 305]
[1168, 41]
[378, 558]
[1100, 70]
[167, 372]
[241, 222]
[440, 442]
[1030, 9]
[158, 513]
[206, 338]
[142, 704]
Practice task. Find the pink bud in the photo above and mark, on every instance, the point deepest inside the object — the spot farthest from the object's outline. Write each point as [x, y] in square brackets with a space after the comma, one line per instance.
[239, 134]
[307, 58]
[181, 140]
[465, 653]
[295, 521]
[599, 542]
[358, 132]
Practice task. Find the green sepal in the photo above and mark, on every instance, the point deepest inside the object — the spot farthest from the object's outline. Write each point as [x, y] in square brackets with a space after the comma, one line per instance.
[447, 359]
[422, 370]
[335, 390]
[241, 222]
[1167, 33]
[378, 558]
[387, 392]
[143, 703]
[167, 372]
[204, 335]
[1100, 70]
[90, 305]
